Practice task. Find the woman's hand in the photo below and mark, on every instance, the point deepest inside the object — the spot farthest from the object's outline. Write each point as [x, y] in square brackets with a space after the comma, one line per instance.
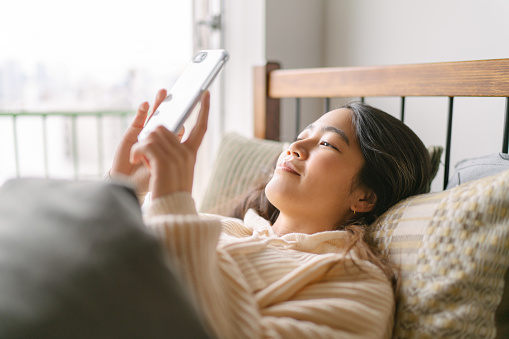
[170, 162]
[137, 173]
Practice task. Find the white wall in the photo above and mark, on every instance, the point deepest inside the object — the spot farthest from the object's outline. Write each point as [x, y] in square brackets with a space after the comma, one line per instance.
[294, 38]
[245, 41]
[287, 31]
[368, 32]
[306, 33]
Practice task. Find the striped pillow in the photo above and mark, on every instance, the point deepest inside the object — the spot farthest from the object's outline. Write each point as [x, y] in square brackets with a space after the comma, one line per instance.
[241, 164]
[453, 250]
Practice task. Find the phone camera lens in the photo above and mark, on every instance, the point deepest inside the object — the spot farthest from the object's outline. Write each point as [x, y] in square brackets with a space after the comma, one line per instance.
[200, 57]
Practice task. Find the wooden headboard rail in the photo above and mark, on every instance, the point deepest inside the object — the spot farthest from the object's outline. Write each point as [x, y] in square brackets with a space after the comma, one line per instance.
[480, 78]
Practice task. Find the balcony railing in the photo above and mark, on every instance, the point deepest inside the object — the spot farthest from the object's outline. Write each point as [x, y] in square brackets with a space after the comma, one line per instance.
[100, 133]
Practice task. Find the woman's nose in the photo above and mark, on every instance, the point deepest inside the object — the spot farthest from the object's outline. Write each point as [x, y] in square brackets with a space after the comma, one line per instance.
[291, 152]
[296, 150]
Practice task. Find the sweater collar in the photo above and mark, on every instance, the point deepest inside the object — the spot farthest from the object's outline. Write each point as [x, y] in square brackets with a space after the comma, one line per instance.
[322, 242]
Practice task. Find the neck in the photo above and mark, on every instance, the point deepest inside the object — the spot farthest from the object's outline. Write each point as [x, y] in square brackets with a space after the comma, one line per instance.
[286, 224]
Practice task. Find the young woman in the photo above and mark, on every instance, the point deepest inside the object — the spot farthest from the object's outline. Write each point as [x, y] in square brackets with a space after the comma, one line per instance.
[299, 264]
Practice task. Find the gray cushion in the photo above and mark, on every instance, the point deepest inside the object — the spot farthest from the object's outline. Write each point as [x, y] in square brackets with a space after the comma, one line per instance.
[77, 262]
[477, 168]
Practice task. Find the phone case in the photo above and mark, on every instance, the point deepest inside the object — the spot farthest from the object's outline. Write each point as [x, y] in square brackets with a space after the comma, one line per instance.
[186, 92]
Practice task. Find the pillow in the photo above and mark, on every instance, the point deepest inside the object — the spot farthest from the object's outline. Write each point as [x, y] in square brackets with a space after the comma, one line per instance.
[243, 163]
[480, 167]
[76, 261]
[435, 153]
[453, 250]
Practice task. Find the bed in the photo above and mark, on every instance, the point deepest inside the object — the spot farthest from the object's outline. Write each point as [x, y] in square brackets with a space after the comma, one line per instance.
[452, 245]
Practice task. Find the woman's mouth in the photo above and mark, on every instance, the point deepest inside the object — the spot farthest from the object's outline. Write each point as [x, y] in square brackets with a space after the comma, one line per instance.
[287, 167]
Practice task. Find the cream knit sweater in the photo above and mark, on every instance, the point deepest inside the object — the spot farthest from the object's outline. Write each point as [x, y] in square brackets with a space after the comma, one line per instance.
[250, 283]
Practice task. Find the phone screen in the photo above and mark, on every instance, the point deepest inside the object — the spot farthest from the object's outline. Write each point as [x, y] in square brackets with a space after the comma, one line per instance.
[186, 92]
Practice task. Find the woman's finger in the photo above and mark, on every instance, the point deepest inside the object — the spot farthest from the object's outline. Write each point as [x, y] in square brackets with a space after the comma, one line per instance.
[198, 132]
[181, 133]
[141, 115]
[132, 132]
[160, 97]
[161, 141]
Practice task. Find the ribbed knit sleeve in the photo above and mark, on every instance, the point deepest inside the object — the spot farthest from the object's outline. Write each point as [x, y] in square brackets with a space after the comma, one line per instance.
[179, 203]
[214, 281]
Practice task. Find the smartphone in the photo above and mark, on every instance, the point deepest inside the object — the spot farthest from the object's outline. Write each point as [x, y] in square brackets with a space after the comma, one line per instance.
[186, 92]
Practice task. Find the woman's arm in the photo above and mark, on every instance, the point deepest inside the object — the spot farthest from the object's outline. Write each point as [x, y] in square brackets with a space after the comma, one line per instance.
[216, 286]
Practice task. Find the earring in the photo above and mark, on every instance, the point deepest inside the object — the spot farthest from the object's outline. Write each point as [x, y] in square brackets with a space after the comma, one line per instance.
[353, 212]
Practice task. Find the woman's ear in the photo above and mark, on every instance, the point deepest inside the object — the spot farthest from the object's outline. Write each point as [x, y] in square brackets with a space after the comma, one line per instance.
[365, 201]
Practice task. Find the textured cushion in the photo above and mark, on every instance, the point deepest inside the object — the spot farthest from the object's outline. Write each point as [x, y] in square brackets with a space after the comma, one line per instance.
[76, 261]
[453, 249]
[241, 163]
[480, 167]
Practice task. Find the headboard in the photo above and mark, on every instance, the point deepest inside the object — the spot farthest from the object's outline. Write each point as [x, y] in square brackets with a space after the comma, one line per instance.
[482, 78]
[452, 246]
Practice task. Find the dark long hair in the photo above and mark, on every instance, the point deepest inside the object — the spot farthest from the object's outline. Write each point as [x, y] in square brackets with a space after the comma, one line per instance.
[396, 165]
[396, 162]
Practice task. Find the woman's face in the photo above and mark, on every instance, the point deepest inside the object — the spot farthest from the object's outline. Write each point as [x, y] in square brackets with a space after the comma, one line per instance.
[315, 176]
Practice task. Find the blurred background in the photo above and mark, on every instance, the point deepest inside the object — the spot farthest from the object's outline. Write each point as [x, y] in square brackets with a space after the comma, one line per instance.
[73, 73]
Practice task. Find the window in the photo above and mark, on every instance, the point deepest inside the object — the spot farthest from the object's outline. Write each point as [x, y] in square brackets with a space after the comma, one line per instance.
[67, 57]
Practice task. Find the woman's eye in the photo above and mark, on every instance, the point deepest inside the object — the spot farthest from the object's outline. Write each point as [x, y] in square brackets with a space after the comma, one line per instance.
[327, 144]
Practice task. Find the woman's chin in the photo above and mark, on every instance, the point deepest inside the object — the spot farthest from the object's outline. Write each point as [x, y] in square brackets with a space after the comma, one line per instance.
[278, 192]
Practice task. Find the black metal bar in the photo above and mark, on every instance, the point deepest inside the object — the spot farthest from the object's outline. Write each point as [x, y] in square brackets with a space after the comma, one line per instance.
[327, 105]
[297, 117]
[448, 142]
[505, 141]
[403, 109]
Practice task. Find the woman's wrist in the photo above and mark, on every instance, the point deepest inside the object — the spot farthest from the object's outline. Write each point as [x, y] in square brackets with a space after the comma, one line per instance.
[174, 203]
